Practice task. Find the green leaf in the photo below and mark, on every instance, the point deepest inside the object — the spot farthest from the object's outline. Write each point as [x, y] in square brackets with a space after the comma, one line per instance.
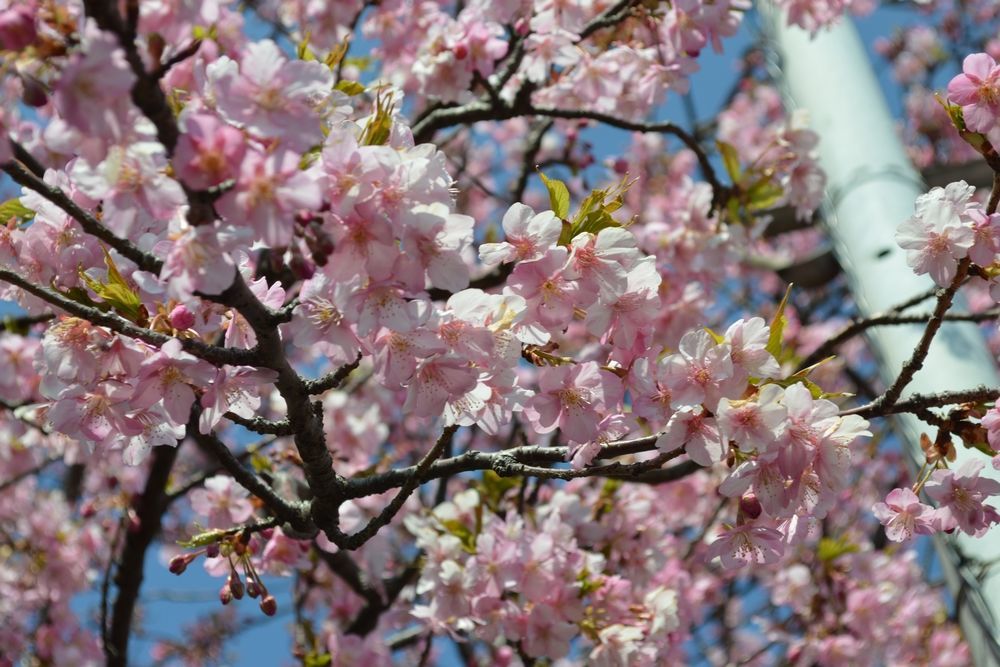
[261, 463]
[203, 539]
[116, 292]
[718, 338]
[13, 208]
[730, 160]
[337, 54]
[303, 51]
[379, 127]
[352, 88]
[317, 660]
[831, 549]
[492, 488]
[558, 195]
[202, 32]
[464, 534]
[763, 194]
[778, 323]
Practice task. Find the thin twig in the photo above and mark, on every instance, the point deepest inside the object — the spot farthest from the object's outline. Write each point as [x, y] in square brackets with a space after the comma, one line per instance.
[916, 360]
[859, 326]
[355, 540]
[249, 480]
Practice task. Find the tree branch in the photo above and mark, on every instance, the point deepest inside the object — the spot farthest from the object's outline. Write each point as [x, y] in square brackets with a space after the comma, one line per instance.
[515, 461]
[332, 380]
[916, 360]
[210, 353]
[891, 318]
[918, 402]
[88, 222]
[249, 480]
[414, 479]
[149, 509]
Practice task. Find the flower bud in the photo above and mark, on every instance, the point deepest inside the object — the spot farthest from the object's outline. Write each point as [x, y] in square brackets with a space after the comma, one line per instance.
[236, 586]
[269, 605]
[179, 563]
[181, 318]
[17, 28]
[225, 594]
[750, 507]
[34, 94]
[212, 551]
[253, 590]
[461, 51]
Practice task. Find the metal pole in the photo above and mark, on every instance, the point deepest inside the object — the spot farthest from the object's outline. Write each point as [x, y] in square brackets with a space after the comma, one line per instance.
[871, 190]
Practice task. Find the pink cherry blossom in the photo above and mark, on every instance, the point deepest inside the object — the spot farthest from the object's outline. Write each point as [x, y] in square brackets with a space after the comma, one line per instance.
[92, 94]
[169, 375]
[222, 503]
[270, 189]
[937, 236]
[701, 371]
[961, 496]
[571, 398]
[977, 90]
[904, 516]
[746, 544]
[208, 152]
[529, 236]
[275, 98]
[697, 433]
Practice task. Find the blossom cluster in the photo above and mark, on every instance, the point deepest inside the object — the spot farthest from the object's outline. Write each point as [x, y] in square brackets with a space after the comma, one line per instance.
[219, 237]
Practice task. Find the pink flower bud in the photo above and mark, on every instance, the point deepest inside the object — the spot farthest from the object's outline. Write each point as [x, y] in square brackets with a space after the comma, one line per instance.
[225, 594]
[181, 318]
[621, 166]
[17, 28]
[269, 605]
[253, 590]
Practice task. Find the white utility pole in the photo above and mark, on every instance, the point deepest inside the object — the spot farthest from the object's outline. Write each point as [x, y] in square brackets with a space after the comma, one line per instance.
[871, 190]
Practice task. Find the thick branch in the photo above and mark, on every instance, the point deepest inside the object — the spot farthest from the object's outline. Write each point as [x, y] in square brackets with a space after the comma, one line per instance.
[506, 462]
[149, 511]
[918, 402]
[304, 416]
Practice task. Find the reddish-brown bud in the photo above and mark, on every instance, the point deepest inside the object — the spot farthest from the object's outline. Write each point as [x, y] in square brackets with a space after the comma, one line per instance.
[750, 507]
[179, 563]
[269, 605]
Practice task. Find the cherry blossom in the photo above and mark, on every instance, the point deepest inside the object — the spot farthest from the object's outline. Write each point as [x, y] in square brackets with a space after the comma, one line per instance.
[904, 516]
